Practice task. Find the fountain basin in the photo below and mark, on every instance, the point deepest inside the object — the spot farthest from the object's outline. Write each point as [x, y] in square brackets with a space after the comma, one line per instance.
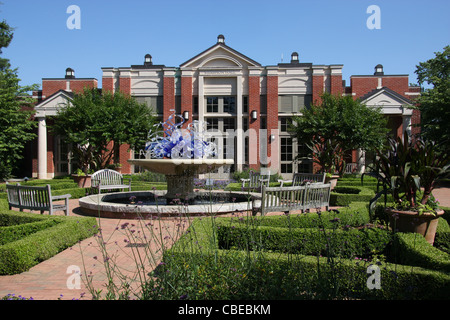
[180, 173]
[132, 205]
[181, 166]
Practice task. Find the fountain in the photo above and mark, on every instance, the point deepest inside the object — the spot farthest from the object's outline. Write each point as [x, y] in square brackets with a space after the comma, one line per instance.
[181, 155]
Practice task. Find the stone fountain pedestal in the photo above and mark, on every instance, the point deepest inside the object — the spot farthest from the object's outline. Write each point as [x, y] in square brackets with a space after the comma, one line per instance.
[180, 173]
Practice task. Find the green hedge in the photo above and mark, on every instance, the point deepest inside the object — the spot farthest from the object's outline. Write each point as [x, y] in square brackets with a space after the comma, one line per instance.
[344, 199]
[412, 249]
[264, 275]
[357, 213]
[237, 186]
[420, 271]
[17, 232]
[348, 243]
[20, 255]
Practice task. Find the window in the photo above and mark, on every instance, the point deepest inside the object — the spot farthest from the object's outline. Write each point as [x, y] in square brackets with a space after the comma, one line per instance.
[286, 168]
[212, 124]
[153, 102]
[293, 103]
[221, 105]
[212, 104]
[229, 104]
[284, 124]
[245, 104]
[286, 149]
[286, 155]
[195, 105]
[229, 124]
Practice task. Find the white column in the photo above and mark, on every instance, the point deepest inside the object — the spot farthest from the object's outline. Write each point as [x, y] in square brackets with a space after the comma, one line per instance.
[42, 149]
[239, 125]
[201, 99]
[407, 124]
[361, 155]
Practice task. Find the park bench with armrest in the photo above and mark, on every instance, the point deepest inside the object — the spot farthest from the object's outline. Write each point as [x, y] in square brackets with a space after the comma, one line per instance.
[286, 199]
[36, 198]
[108, 179]
[301, 178]
[255, 181]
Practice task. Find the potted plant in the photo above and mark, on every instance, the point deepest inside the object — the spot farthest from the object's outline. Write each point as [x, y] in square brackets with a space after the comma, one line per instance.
[332, 179]
[117, 166]
[408, 171]
[82, 178]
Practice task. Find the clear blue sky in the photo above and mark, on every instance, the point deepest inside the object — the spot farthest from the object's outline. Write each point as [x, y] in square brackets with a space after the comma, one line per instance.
[118, 33]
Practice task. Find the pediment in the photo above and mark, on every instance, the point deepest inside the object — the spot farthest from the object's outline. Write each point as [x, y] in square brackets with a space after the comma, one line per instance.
[384, 96]
[51, 105]
[220, 56]
[389, 101]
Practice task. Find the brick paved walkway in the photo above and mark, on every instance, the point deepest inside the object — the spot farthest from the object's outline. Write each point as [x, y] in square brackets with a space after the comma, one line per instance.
[49, 279]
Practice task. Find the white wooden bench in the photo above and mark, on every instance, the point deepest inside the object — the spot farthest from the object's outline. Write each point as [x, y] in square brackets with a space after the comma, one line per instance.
[300, 178]
[318, 196]
[255, 181]
[36, 198]
[108, 179]
[286, 199]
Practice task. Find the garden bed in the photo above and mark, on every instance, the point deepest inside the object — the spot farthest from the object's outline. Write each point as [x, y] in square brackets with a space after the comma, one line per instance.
[28, 239]
[306, 256]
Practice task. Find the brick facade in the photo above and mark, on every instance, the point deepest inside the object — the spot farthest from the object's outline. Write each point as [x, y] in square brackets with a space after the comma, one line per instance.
[108, 84]
[263, 86]
[187, 97]
[317, 88]
[51, 86]
[125, 85]
[169, 95]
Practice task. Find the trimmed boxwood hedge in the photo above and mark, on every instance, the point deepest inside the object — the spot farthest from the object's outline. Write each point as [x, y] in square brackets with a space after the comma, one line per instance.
[343, 196]
[308, 241]
[413, 249]
[274, 275]
[17, 232]
[356, 214]
[290, 265]
[62, 232]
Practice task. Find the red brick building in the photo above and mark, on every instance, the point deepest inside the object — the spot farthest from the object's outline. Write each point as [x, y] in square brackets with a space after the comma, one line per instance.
[245, 104]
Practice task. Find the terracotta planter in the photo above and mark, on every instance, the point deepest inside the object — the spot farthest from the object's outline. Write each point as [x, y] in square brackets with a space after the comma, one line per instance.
[411, 221]
[82, 181]
[332, 180]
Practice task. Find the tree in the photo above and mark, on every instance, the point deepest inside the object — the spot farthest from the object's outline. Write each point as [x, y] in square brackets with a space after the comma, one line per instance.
[434, 103]
[15, 120]
[92, 122]
[336, 126]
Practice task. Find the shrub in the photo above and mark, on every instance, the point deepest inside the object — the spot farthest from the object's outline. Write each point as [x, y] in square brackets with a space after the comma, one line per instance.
[20, 255]
[16, 232]
[196, 268]
[413, 249]
[308, 241]
[343, 196]
[356, 214]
